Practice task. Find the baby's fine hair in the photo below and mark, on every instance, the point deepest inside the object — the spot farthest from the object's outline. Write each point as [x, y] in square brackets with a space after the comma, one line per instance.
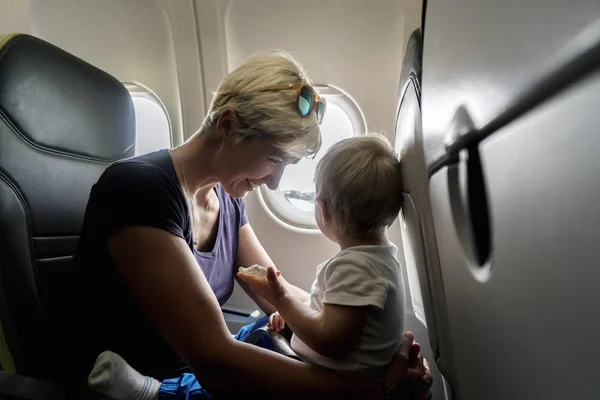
[360, 180]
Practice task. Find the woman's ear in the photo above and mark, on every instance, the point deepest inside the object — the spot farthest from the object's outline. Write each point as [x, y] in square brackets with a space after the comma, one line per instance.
[225, 124]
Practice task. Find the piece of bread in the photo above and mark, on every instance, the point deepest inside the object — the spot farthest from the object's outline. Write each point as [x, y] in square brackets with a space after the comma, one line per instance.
[255, 271]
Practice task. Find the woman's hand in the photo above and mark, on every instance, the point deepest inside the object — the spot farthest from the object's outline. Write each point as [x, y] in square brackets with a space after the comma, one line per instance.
[276, 322]
[271, 289]
[408, 375]
[419, 388]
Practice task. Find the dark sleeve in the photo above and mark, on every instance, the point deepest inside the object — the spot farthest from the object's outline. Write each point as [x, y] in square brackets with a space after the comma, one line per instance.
[138, 194]
[243, 215]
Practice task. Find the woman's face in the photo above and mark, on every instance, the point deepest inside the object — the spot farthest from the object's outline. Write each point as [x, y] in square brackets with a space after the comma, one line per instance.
[247, 165]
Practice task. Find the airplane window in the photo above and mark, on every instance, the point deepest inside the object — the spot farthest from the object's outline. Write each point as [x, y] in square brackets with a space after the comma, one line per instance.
[294, 201]
[297, 182]
[152, 124]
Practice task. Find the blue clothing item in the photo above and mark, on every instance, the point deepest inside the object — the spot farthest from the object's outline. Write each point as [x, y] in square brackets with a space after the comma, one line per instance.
[186, 387]
[256, 334]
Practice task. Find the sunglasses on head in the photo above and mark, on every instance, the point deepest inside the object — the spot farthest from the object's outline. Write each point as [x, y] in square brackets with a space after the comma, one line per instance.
[308, 99]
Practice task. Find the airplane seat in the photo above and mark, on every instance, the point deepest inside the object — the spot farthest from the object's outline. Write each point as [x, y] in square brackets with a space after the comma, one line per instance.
[62, 122]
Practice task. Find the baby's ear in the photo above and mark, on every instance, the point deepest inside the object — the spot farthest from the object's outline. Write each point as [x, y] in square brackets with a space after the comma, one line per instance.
[324, 208]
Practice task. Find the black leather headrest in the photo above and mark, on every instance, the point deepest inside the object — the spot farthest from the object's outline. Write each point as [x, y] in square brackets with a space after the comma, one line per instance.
[50, 96]
[62, 122]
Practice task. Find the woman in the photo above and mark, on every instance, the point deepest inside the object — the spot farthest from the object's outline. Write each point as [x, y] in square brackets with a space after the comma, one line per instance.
[165, 232]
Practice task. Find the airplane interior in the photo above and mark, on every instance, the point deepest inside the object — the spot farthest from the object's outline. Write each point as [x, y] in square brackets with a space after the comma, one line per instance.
[489, 105]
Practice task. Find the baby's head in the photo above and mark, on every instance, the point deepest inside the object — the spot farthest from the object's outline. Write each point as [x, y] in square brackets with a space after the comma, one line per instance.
[359, 187]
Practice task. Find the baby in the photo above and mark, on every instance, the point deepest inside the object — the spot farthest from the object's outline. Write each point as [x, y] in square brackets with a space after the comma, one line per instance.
[352, 319]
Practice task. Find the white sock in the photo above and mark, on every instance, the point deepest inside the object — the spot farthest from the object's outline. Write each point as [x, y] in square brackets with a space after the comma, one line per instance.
[113, 377]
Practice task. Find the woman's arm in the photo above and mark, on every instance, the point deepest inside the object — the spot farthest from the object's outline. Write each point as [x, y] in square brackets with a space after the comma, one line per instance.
[250, 252]
[164, 277]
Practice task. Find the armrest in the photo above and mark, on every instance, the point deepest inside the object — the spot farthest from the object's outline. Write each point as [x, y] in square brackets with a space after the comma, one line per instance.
[282, 346]
[242, 312]
[237, 317]
[19, 387]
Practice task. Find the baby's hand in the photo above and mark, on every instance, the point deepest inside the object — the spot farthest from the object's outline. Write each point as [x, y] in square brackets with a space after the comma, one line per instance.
[276, 322]
[263, 282]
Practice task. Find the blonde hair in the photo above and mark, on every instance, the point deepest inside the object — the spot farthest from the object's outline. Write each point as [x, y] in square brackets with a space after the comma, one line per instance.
[360, 180]
[269, 114]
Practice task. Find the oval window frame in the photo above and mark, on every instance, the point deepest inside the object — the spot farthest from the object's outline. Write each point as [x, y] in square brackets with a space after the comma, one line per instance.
[137, 89]
[275, 201]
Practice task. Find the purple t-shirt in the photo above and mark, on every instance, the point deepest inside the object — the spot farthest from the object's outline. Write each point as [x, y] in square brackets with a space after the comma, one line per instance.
[144, 191]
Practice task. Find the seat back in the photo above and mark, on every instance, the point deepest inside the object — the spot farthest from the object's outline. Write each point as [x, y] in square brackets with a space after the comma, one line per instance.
[62, 122]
